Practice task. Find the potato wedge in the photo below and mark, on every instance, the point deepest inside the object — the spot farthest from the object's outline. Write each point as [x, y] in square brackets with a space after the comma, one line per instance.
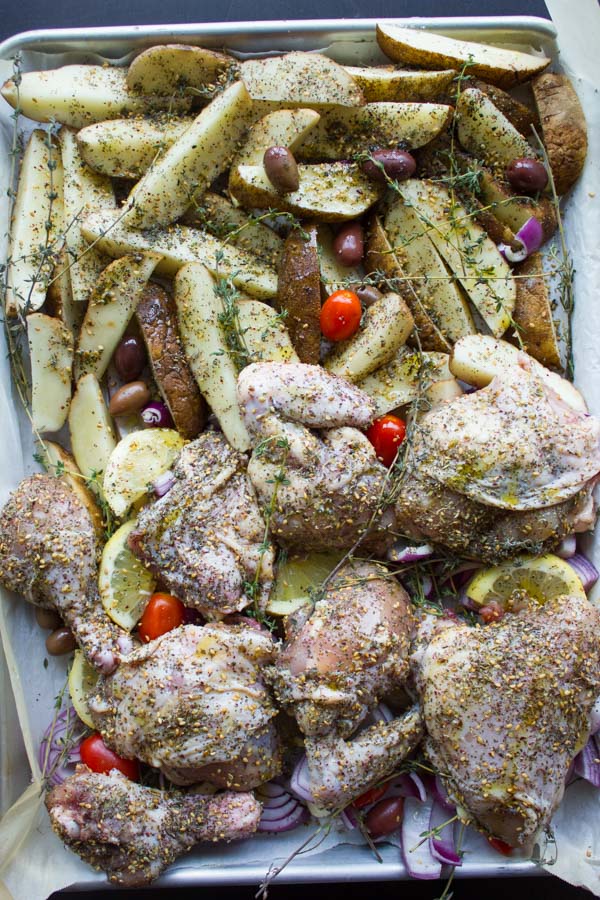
[434, 285]
[301, 79]
[382, 84]
[162, 70]
[112, 304]
[156, 314]
[469, 252]
[418, 47]
[126, 148]
[477, 359]
[397, 383]
[62, 464]
[385, 328]
[513, 210]
[179, 245]
[486, 133]
[199, 312]
[299, 294]
[519, 115]
[533, 312]
[331, 192]
[282, 128]
[333, 274]
[342, 133]
[443, 391]
[92, 436]
[564, 128]
[39, 202]
[190, 164]
[51, 353]
[59, 297]
[264, 333]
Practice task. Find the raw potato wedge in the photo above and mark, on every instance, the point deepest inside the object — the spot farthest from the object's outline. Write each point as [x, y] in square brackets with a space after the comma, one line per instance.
[564, 128]
[59, 298]
[519, 115]
[333, 274]
[513, 210]
[386, 326]
[62, 464]
[397, 383]
[264, 333]
[51, 353]
[201, 153]
[205, 342]
[29, 270]
[301, 79]
[469, 252]
[282, 128]
[431, 280]
[486, 133]
[169, 67]
[479, 358]
[299, 294]
[331, 192]
[342, 133]
[112, 304]
[533, 312]
[126, 148]
[179, 245]
[417, 47]
[92, 435]
[381, 84]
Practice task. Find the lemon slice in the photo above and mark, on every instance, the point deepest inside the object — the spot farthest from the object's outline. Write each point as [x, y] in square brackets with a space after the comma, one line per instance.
[125, 585]
[136, 462]
[540, 577]
[82, 682]
[296, 578]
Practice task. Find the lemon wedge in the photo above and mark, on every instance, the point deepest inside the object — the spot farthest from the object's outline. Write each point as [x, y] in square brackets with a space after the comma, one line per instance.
[125, 585]
[82, 682]
[296, 578]
[136, 462]
[540, 577]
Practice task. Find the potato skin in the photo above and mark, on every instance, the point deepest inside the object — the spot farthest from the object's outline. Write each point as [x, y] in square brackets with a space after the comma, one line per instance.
[299, 293]
[564, 128]
[517, 113]
[533, 313]
[157, 317]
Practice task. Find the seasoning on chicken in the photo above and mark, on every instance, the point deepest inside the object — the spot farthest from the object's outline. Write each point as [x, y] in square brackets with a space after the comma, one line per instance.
[49, 554]
[193, 704]
[132, 832]
[204, 538]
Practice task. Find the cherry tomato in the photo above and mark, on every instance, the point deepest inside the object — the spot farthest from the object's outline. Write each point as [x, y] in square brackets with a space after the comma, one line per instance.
[100, 758]
[163, 613]
[500, 846]
[340, 315]
[386, 434]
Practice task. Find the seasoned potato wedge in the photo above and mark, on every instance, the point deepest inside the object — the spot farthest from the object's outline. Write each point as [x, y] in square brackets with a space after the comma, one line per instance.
[126, 148]
[156, 315]
[194, 160]
[486, 133]
[51, 353]
[301, 79]
[418, 47]
[29, 269]
[92, 435]
[111, 306]
[519, 115]
[564, 128]
[533, 312]
[299, 293]
[385, 327]
[397, 383]
[469, 252]
[62, 464]
[477, 359]
[264, 333]
[331, 192]
[513, 210]
[342, 133]
[59, 298]
[162, 70]
[333, 274]
[282, 128]
[386, 84]
[199, 312]
[179, 245]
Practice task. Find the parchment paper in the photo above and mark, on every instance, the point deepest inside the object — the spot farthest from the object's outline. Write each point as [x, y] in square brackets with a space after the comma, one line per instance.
[33, 862]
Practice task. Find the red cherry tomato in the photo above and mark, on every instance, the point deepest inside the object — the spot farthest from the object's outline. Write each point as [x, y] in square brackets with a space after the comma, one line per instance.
[340, 315]
[163, 613]
[100, 758]
[500, 846]
[386, 434]
[371, 796]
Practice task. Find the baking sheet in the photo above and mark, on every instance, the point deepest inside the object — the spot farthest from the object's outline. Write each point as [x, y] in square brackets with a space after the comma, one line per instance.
[39, 864]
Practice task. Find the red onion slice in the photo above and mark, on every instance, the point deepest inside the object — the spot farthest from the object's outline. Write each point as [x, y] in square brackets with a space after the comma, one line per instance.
[298, 815]
[52, 746]
[274, 813]
[587, 763]
[300, 781]
[530, 236]
[417, 855]
[513, 256]
[419, 785]
[163, 484]
[441, 844]
[348, 817]
[440, 795]
[567, 547]
[408, 553]
[586, 570]
[271, 790]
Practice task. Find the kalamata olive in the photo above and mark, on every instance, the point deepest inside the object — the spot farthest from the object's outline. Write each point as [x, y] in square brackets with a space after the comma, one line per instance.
[129, 398]
[47, 618]
[157, 415]
[281, 169]
[349, 244]
[385, 817]
[397, 165]
[60, 641]
[130, 358]
[368, 295]
[527, 175]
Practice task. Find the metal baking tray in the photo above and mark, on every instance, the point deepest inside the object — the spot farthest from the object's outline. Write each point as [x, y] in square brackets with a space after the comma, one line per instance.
[347, 41]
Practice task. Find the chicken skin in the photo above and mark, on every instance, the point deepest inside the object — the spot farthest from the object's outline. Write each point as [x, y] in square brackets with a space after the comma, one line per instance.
[49, 553]
[132, 832]
[204, 538]
[507, 707]
[193, 704]
[325, 487]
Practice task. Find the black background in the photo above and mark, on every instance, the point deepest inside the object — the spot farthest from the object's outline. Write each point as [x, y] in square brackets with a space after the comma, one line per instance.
[34, 14]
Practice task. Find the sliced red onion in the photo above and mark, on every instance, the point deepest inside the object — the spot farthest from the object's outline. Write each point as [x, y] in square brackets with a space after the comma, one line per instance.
[567, 547]
[513, 256]
[406, 786]
[441, 844]
[53, 756]
[419, 785]
[427, 587]
[440, 795]
[271, 790]
[586, 570]
[409, 553]
[272, 813]
[300, 781]
[587, 764]
[530, 236]
[163, 484]
[349, 819]
[276, 822]
[417, 855]
[156, 415]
